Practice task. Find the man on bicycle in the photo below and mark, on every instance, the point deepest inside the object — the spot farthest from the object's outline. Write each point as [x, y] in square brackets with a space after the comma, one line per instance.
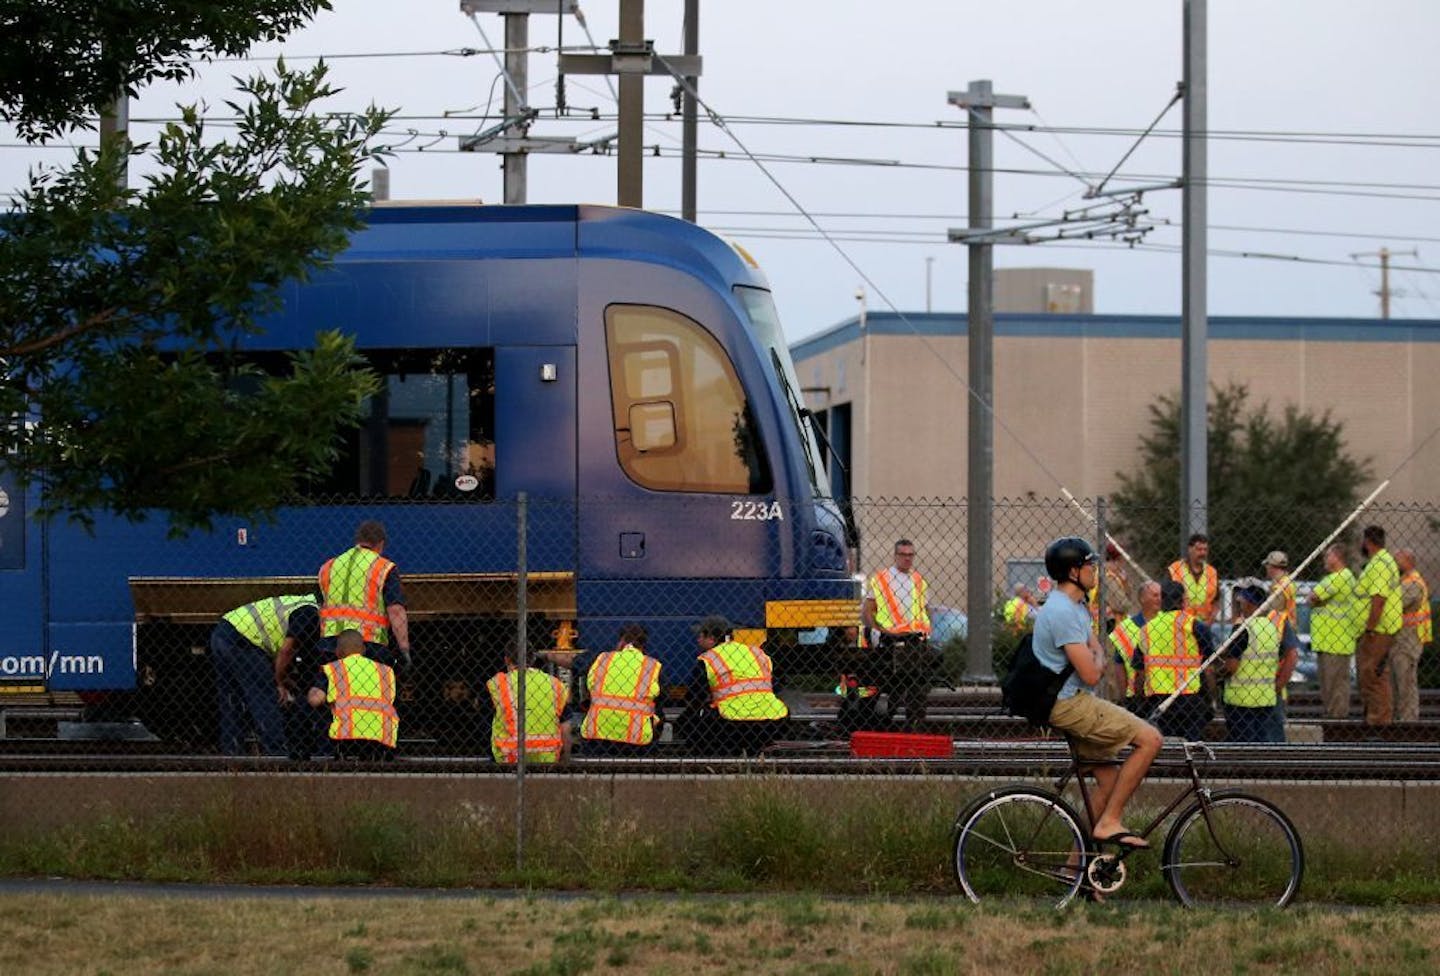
[1100, 729]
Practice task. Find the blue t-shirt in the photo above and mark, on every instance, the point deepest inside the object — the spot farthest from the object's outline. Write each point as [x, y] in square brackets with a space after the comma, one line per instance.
[1060, 621]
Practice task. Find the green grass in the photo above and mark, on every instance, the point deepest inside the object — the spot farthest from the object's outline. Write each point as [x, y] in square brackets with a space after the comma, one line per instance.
[768, 836]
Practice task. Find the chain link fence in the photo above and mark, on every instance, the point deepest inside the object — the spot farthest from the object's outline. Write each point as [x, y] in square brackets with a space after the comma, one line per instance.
[594, 606]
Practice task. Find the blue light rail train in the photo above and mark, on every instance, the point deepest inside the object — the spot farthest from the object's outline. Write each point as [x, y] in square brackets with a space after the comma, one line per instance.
[624, 370]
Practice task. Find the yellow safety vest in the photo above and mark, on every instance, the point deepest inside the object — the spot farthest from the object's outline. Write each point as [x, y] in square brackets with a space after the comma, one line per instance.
[889, 615]
[1124, 638]
[1200, 591]
[623, 685]
[1172, 655]
[1420, 619]
[353, 584]
[1381, 577]
[264, 622]
[740, 683]
[1336, 623]
[1253, 683]
[1018, 614]
[545, 699]
[362, 700]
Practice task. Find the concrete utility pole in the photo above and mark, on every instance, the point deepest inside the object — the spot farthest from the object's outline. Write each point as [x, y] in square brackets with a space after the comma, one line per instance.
[632, 57]
[630, 186]
[517, 82]
[515, 149]
[980, 102]
[115, 128]
[688, 133]
[1194, 325]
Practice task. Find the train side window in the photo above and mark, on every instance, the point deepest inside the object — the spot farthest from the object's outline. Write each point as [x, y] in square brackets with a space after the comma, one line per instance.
[427, 433]
[682, 422]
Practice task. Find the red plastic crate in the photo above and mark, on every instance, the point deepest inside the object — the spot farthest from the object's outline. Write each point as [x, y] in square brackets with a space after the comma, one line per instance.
[900, 745]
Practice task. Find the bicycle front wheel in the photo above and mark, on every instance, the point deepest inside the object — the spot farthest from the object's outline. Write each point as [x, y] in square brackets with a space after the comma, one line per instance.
[1233, 848]
[1019, 842]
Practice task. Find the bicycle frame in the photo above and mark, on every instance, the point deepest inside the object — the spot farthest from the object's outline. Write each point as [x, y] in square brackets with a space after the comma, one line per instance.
[1197, 789]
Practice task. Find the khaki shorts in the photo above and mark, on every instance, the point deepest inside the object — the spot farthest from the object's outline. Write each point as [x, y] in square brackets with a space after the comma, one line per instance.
[1100, 729]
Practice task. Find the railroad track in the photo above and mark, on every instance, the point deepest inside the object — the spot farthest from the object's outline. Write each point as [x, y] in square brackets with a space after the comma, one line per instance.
[972, 757]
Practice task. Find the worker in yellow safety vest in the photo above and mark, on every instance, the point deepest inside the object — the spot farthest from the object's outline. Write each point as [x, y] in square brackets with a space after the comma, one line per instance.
[1198, 577]
[1415, 633]
[251, 650]
[547, 725]
[360, 590]
[896, 616]
[1019, 611]
[1257, 665]
[361, 695]
[1171, 648]
[1125, 639]
[733, 689]
[1335, 622]
[623, 684]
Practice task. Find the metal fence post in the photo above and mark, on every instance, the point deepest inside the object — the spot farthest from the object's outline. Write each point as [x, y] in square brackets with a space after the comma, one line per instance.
[1100, 594]
[523, 662]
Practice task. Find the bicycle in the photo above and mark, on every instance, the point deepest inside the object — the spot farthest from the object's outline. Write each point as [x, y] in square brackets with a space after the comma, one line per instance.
[1227, 846]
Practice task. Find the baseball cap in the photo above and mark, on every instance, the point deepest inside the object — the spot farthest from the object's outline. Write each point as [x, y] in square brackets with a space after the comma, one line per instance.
[1252, 590]
[1277, 559]
[713, 626]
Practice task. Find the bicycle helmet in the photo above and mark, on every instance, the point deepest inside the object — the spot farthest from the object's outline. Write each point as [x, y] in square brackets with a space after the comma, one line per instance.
[1065, 554]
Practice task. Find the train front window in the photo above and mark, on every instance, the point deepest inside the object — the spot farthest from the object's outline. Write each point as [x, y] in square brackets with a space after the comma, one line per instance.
[428, 432]
[765, 323]
[682, 422]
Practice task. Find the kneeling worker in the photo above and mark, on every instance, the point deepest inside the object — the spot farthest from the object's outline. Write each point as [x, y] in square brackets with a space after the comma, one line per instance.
[743, 716]
[547, 727]
[1100, 729]
[361, 695]
[623, 685]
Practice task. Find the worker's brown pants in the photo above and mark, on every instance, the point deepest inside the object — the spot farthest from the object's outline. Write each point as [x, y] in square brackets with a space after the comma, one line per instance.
[1373, 666]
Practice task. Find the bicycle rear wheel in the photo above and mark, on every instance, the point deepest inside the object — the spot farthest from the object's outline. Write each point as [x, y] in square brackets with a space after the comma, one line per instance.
[1235, 848]
[1019, 842]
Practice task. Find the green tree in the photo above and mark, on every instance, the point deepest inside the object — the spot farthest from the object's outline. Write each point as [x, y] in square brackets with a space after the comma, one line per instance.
[118, 305]
[1276, 482]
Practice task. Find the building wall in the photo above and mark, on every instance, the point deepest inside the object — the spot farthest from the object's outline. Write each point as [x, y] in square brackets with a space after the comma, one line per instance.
[1080, 404]
[1045, 290]
[1075, 392]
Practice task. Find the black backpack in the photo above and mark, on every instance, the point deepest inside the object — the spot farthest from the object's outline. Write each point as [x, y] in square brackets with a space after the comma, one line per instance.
[1030, 689]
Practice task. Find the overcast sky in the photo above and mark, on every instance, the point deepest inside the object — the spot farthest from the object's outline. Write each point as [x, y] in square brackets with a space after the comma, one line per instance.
[1336, 100]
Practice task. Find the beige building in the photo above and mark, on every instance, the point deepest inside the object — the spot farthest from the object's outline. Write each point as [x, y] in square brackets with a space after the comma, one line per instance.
[1075, 390]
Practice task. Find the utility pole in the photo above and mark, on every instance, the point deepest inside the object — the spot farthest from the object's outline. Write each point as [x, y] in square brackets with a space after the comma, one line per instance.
[929, 267]
[1194, 324]
[632, 57]
[517, 82]
[115, 129]
[514, 149]
[630, 186]
[980, 102]
[1385, 293]
[688, 119]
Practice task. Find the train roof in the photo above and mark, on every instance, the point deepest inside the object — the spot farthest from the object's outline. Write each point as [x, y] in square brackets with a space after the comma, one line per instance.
[447, 231]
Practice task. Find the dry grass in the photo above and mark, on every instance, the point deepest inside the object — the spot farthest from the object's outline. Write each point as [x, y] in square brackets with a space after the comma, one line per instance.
[126, 933]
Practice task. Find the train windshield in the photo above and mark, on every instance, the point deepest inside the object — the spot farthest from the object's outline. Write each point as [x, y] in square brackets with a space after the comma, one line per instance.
[766, 324]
